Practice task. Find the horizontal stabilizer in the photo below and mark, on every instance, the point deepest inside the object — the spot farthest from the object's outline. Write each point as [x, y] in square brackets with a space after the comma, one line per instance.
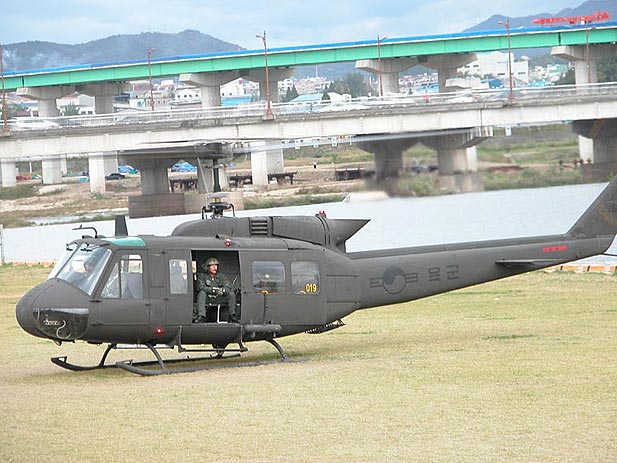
[527, 262]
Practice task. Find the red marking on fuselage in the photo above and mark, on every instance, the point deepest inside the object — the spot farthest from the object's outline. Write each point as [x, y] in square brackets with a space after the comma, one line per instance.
[561, 247]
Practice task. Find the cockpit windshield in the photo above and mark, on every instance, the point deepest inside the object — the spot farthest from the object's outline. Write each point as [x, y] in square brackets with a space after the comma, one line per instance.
[82, 266]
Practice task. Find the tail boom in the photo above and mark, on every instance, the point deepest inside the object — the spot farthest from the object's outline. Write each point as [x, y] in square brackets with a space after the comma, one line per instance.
[400, 275]
[405, 277]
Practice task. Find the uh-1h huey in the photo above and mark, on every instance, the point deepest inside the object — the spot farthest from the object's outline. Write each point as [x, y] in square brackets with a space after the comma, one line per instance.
[291, 275]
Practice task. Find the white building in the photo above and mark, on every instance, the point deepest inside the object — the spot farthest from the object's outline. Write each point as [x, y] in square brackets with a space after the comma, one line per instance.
[496, 64]
[83, 103]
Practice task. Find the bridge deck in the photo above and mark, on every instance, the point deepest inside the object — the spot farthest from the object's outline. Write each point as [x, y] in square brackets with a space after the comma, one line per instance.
[467, 42]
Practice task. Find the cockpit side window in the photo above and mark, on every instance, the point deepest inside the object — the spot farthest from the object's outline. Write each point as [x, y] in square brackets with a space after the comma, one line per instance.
[66, 255]
[83, 267]
[126, 279]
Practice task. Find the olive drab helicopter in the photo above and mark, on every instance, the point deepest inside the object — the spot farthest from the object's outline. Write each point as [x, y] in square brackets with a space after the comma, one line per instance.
[289, 274]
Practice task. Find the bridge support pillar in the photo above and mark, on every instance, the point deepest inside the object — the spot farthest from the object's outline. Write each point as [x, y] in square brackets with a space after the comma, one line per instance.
[210, 85]
[585, 60]
[259, 163]
[389, 70]
[96, 168]
[586, 148]
[274, 75]
[388, 156]
[274, 158]
[586, 72]
[265, 159]
[154, 176]
[598, 139]
[155, 199]
[446, 66]
[205, 176]
[103, 94]
[457, 159]
[111, 163]
[52, 171]
[8, 172]
[46, 97]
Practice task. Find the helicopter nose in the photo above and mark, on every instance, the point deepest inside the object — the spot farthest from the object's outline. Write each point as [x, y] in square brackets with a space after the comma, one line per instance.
[54, 309]
[23, 309]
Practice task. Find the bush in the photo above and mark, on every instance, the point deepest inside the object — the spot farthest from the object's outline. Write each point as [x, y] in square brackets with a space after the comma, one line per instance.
[298, 200]
[417, 185]
[530, 178]
[17, 192]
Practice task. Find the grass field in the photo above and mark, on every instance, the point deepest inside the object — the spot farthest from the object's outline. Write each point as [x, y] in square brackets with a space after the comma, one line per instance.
[521, 370]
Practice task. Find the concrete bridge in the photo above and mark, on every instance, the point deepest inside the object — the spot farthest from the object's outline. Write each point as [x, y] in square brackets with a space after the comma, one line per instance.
[385, 126]
[452, 125]
[385, 56]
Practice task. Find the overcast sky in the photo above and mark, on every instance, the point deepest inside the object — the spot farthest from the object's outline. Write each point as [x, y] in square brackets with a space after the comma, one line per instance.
[287, 22]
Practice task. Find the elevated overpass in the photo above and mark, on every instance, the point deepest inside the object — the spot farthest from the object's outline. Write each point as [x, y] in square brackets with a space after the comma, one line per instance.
[384, 126]
[422, 48]
[446, 52]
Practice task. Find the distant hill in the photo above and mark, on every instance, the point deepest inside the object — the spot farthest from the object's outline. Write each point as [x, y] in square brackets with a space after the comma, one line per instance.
[492, 23]
[36, 55]
[610, 6]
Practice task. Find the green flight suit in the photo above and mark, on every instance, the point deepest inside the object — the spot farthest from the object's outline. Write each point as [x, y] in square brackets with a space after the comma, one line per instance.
[213, 290]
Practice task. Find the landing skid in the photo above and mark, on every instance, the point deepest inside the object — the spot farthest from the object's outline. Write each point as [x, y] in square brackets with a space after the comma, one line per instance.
[61, 362]
[136, 367]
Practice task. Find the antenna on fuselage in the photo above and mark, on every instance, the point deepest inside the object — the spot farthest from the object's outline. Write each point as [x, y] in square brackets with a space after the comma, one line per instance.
[120, 226]
[81, 227]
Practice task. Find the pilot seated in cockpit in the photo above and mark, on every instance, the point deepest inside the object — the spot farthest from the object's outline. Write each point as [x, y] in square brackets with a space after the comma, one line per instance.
[213, 288]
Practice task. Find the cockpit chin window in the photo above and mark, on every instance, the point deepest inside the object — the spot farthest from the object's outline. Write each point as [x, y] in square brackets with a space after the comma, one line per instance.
[82, 266]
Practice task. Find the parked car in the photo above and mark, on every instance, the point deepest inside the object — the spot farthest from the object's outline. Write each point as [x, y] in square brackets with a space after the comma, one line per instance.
[114, 176]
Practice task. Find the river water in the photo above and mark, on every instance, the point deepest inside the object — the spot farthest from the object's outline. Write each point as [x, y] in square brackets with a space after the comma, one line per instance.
[397, 222]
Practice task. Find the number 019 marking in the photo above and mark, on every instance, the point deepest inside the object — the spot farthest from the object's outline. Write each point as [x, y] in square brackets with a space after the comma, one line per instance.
[310, 287]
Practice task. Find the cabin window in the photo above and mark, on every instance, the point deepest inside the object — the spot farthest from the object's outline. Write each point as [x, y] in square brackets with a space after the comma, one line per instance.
[305, 277]
[178, 276]
[126, 279]
[268, 276]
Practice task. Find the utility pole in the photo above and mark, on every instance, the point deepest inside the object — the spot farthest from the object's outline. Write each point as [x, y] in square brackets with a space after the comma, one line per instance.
[268, 101]
[150, 51]
[379, 39]
[5, 125]
[507, 24]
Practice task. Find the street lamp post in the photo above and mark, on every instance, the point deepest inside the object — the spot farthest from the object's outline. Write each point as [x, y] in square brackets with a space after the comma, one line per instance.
[150, 51]
[507, 24]
[587, 53]
[5, 126]
[268, 101]
[379, 39]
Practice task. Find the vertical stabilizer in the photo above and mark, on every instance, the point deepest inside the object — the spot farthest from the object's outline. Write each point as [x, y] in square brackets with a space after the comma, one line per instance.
[600, 219]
